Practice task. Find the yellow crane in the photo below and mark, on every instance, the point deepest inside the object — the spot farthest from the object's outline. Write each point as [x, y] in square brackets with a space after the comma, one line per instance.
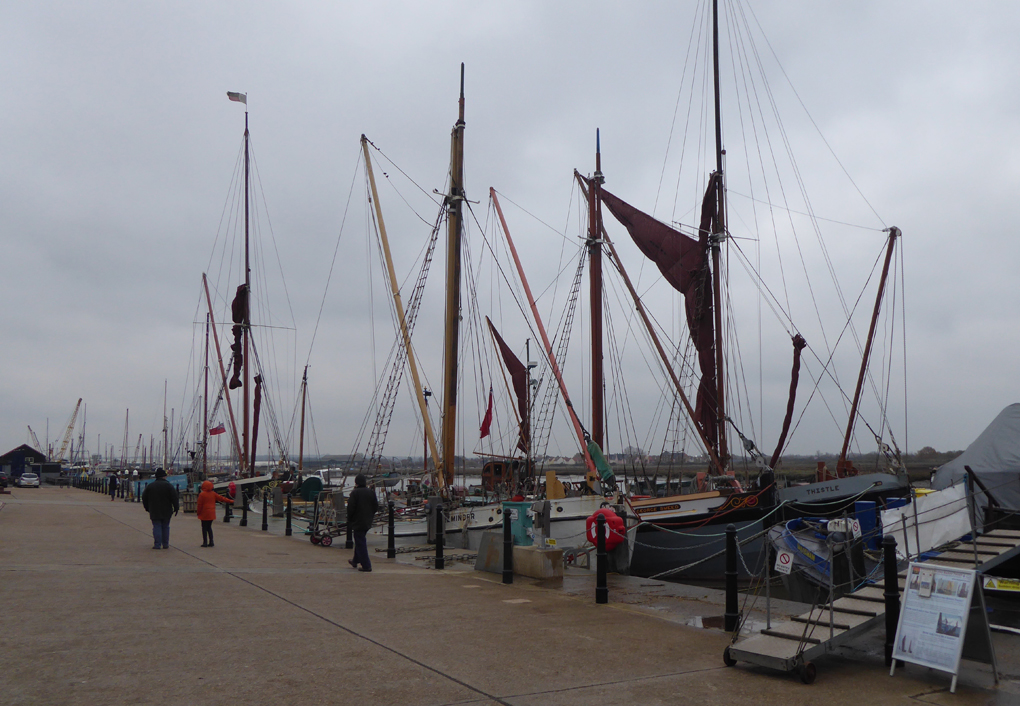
[68, 433]
[34, 440]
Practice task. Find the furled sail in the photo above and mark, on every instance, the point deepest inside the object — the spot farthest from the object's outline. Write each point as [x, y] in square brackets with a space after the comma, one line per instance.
[683, 262]
[519, 379]
[238, 313]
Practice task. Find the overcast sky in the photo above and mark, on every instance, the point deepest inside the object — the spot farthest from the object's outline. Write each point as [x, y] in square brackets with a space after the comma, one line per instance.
[119, 148]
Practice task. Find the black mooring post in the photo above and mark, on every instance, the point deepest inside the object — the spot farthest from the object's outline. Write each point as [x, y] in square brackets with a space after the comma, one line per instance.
[288, 532]
[350, 536]
[391, 540]
[440, 531]
[265, 511]
[892, 597]
[508, 548]
[229, 512]
[601, 561]
[244, 510]
[731, 617]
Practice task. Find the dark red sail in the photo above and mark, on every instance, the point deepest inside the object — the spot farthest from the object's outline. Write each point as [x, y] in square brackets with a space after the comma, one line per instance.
[519, 378]
[798, 346]
[683, 262]
[255, 423]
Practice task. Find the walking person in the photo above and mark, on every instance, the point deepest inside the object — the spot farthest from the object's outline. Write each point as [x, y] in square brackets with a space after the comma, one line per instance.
[113, 486]
[361, 509]
[160, 500]
[205, 508]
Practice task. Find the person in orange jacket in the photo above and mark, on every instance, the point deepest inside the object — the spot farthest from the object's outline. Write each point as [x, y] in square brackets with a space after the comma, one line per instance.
[206, 510]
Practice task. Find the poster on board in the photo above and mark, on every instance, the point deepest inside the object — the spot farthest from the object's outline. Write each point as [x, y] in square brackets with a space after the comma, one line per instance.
[933, 617]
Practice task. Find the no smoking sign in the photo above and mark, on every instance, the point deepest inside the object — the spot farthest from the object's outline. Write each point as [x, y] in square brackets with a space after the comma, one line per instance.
[784, 561]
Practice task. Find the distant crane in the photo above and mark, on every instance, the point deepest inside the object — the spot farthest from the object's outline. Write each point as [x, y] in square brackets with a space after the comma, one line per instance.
[138, 448]
[68, 433]
[33, 439]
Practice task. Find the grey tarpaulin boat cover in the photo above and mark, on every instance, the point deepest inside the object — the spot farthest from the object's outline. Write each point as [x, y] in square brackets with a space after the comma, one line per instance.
[995, 457]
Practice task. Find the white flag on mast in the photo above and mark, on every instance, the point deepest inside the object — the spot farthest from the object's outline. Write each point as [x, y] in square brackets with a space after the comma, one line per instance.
[239, 97]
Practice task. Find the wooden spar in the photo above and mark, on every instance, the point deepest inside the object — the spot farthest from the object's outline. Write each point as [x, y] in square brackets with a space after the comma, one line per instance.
[205, 404]
[575, 422]
[223, 372]
[639, 305]
[454, 203]
[718, 234]
[894, 232]
[430, 437]
[246, 326]
[301, 433]
[595, 300]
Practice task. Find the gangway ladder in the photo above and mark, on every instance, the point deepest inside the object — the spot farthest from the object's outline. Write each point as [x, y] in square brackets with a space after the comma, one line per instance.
[791, 645]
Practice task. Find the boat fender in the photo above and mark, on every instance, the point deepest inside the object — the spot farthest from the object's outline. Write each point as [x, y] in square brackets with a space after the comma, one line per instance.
[614, 527]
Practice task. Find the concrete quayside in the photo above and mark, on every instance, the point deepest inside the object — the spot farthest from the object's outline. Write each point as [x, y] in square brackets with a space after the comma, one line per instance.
[90, 615]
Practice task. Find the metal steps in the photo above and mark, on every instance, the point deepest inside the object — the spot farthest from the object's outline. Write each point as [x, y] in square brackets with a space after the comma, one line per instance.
[790, 645]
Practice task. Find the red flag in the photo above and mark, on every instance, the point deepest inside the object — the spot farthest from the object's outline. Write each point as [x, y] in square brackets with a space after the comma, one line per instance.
[219, 429]
[487, 420]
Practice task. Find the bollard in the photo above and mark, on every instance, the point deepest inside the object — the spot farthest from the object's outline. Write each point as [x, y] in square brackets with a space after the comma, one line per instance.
[508, 548]
[288, 532]
[391, 541]
[265, 511]
[350, 539]
[440, 533]
[892, 598]
[228, 512]
[244, 510]
[601, 561]
[731, 617]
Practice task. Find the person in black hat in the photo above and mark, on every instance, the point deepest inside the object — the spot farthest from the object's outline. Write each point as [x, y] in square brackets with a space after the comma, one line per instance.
[160, 500]
[361, 509]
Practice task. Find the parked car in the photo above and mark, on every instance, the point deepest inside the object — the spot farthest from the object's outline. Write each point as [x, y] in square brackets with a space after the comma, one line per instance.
[4, 480]
[28, 480]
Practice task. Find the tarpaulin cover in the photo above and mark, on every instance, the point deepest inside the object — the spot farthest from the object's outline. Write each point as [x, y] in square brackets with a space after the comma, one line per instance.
[940, 517]
[994, 457]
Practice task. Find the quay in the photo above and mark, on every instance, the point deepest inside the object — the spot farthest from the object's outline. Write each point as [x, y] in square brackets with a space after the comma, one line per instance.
[90, 614]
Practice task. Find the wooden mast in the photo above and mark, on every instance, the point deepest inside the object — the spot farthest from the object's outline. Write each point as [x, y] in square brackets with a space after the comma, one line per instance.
[420, 394]
[246, 325]
[301, 433]
[571, 412]
[894, 232]
[454, 203]
[595, 296]
[639, 305]
[718, 235]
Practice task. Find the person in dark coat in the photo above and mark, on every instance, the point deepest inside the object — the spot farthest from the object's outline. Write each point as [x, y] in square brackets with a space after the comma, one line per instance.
[160, 500]
[361, 509]
[112, 485]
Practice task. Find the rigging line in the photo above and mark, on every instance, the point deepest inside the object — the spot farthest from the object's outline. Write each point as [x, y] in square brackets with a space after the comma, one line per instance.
[432, 197]
[903, 323]
[332, 263]
[811, 118]
[272, 234]
[730, 190]
[676, 110]
[532, 215]
[801, 186]
[798, 176]
[226, 202]
[697, 53]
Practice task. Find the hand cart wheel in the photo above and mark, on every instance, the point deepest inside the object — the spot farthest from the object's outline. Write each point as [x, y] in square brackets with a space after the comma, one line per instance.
[326, 540]
[808, 673]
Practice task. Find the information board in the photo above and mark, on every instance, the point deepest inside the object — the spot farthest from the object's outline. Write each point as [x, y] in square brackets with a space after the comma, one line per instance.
[934, 618]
